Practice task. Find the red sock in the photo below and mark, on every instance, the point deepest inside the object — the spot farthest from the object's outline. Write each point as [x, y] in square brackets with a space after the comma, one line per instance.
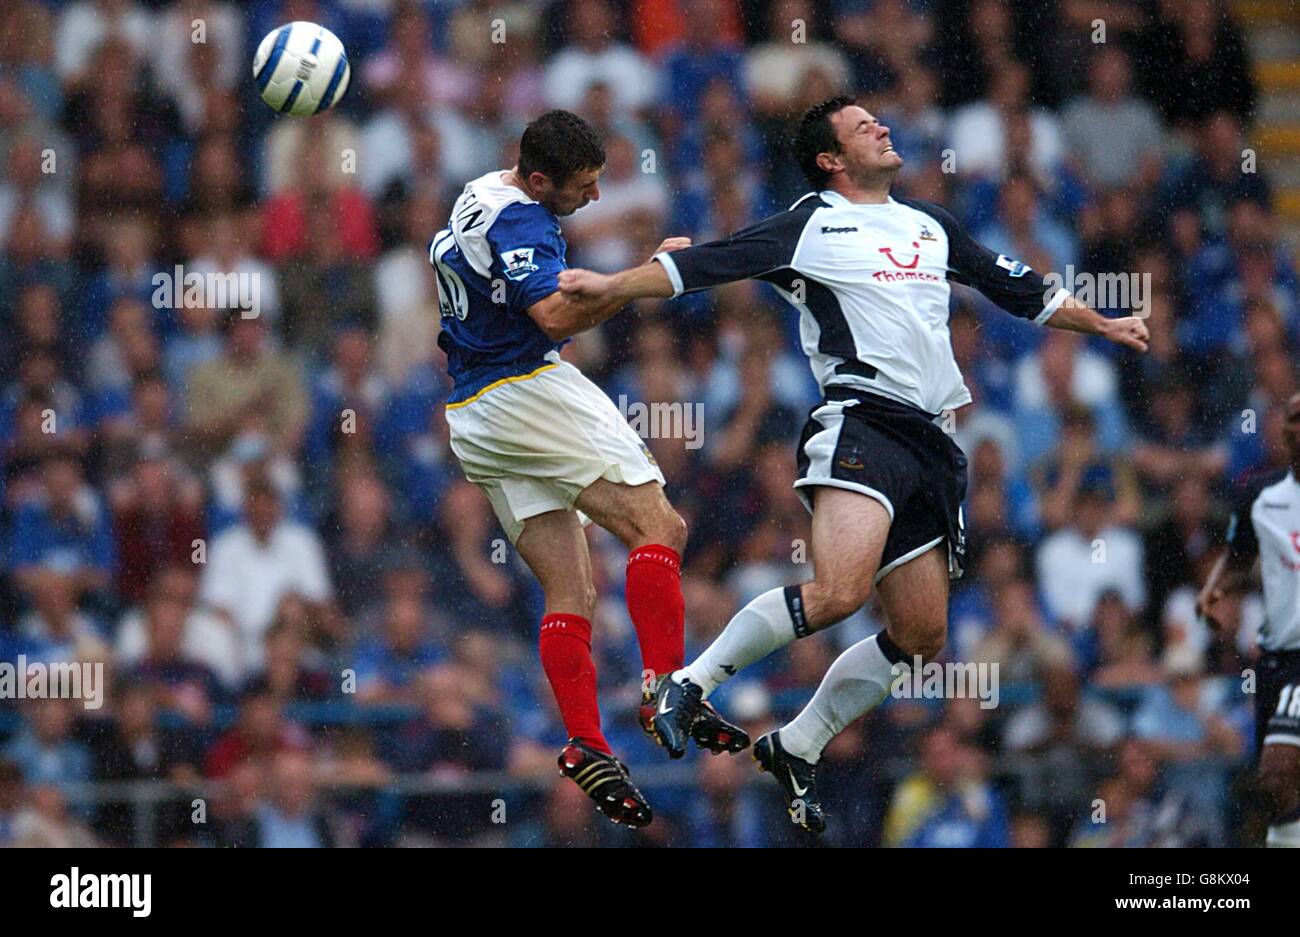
[565, 647]
[654, 600]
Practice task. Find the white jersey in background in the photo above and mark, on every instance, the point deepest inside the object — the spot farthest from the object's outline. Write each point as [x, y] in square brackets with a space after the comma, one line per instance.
[1266, 524]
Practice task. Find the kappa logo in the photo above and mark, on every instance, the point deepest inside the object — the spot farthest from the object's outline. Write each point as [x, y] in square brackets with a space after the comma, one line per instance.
[832, 230]
[518, 262]
[926, 235]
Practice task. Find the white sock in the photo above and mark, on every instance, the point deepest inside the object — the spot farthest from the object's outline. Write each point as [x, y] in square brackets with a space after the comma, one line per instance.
[1286, 836]
[758, 629]
[856, 682]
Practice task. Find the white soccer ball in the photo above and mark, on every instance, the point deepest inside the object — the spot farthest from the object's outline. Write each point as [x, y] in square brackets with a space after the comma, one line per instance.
[301, 69]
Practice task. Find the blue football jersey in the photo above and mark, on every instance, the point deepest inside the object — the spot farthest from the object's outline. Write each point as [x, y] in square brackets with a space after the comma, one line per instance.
[500, 253]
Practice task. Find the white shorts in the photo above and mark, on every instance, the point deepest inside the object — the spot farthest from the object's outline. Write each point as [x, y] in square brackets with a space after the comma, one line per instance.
[533, 443]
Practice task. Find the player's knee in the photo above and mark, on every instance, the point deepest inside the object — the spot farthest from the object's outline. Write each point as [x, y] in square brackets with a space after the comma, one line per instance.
[663, 526]
[575, 599]
[674, 532]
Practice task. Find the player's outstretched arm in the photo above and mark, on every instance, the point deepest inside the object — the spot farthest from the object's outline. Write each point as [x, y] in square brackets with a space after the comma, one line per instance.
[1015, 287]
[585, 298]
[1074, 316]
[587, 286]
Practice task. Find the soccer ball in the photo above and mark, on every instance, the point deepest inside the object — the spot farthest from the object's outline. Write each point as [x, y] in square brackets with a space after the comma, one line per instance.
[301, 69]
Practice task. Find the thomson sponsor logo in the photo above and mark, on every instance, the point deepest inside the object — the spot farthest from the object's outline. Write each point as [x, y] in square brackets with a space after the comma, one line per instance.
[950, 680]
[1128, 292]
[24, 679]
[103, 890]
[178, 289]
[665, 420]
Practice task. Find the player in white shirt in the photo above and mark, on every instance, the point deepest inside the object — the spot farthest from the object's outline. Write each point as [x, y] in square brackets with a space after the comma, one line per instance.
[1265, 526]
[869, 275]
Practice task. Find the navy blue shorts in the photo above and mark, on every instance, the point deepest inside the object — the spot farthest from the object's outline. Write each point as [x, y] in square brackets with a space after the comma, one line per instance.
[1277, 699]
[898, 455]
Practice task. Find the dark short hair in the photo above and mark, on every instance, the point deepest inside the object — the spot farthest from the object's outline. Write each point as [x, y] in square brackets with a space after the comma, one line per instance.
[816, 135]
[558, 144]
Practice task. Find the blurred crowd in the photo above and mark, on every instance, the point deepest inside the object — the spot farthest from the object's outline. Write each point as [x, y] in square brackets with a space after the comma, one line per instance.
[256, 524]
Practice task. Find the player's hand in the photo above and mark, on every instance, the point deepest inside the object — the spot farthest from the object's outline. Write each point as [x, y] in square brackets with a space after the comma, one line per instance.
[577, 284]
[672, 244]
[1131, 332]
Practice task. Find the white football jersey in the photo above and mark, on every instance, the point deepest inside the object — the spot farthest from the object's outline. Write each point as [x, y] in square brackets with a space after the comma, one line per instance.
[1266, 524]
[871, 284]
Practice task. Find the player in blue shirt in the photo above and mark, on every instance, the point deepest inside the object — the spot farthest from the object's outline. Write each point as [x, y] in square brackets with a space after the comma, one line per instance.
[548, 447]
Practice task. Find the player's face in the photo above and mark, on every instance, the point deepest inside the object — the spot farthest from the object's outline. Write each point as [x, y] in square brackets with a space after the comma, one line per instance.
[1291, 428]
[579, 189]
[866, 150]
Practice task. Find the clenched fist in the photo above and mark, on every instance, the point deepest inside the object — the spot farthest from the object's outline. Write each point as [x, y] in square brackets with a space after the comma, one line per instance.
[1130, 332]
[576, 283]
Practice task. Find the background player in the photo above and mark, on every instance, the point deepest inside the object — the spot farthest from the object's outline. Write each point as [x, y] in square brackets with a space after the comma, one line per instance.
[543, 442]
[1264, 526]
[869, 275]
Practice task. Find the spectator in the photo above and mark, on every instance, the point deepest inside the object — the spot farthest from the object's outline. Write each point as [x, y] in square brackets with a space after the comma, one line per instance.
[977, 132]
[253, 566]
[448, 739]
[157, 521]
[134, 748]
[1088, 556]
[181, 683]
[1023, 231]
[1112, 116]
[1020, 644]
[775, 69]
[593, 56]
[45, 823]
[261, 733]
[1199, 196]
[250, 388]
[85, 25]
[1063, 742]
[1186, 722]
[66, 528]
[207, 638]
[1199, 63]
[288, 818]
[948, 802]
[389, 667]
[45, 749]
